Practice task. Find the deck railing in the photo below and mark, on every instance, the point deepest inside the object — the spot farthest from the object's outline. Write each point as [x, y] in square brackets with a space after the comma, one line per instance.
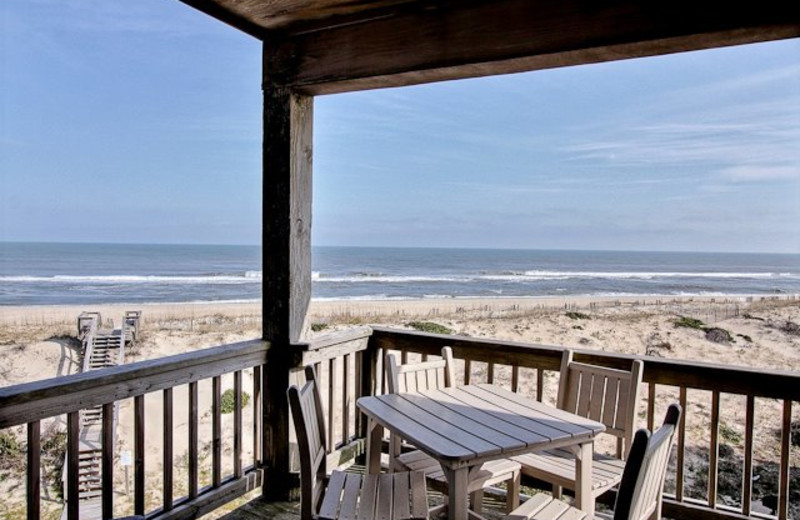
[721, 403]
[30, 404]
[699, 387]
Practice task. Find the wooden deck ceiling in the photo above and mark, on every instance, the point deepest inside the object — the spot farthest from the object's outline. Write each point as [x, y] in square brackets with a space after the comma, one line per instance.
[325, 46]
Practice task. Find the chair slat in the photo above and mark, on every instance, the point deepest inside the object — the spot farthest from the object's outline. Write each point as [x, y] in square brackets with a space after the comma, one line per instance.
[329, 508]
[384, 500]
[369, 490]
[348, 510]
[401, 508]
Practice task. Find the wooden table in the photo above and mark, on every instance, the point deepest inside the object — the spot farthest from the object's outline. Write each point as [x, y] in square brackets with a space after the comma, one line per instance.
[466, 426]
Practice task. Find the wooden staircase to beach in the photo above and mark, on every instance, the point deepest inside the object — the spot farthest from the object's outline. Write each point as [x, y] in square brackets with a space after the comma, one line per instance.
[100, 349]
[103, 349]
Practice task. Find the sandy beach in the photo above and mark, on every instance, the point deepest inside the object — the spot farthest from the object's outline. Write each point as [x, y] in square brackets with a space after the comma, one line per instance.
[38, 342]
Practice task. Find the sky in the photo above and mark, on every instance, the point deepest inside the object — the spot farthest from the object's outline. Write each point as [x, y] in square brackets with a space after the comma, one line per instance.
[140, 122]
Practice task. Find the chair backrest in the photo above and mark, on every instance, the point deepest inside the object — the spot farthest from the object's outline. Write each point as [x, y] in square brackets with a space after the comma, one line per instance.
[417, 377]
[639, 496]
[602, 394]
[306, 407]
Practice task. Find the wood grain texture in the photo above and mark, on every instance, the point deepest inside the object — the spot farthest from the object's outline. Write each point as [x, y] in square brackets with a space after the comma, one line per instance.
[28, 402]
[33, 475]
[436, 41]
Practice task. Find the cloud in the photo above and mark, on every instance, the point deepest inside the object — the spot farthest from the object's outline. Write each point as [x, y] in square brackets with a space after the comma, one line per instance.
[753, 173]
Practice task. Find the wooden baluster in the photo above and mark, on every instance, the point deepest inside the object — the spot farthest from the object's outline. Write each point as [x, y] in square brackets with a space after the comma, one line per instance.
[138, 449]
[332, 382]
[404, 356]
[515, 378]
[651, 405]
[347, 361]
[539, 384]
[747, 480]
[34, 469]
[237, 424]
[256, 416]
[107, 505]
[713, 462]
[490, 373]
[193, 440]
[783, 483]
[679, 477]
[168, 427]
[361, 424]
[216, 431]
[73, 465]
[467, 371]
[381, 372]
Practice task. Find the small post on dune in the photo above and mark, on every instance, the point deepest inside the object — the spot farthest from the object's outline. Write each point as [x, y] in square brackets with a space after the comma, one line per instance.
[288, 118]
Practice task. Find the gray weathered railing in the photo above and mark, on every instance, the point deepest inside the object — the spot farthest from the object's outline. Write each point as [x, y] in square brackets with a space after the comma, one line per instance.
[32, 403]
[343, 365]
[350, 365]
[668, 378]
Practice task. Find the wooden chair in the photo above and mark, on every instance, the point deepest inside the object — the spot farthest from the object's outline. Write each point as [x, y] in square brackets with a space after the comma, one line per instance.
[639, 495]
[431, 375]
[602, 394]
[399, 496]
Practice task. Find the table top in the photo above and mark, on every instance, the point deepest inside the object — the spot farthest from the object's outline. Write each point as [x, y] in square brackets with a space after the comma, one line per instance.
[474, 423]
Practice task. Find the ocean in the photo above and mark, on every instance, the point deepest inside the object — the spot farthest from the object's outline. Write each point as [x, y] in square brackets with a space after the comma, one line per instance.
[47, 274]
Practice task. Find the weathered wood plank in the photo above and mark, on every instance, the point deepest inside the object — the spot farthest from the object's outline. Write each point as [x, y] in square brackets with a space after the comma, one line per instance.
[33, 486]
[287, 173]
[193, 439]
[256, 416]
[167, 411]
[237, 424]
[786, 446]
[38, 400]
[216, 431]
[436, 41]
[210, 499]
[138, 455]
[713, 462]
[681, 434]
[109, 424]
[747, 477]
[73, 463]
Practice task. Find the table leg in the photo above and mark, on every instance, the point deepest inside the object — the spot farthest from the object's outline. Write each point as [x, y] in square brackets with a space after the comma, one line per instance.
[374, 443]
[457, 480]
[584, 499]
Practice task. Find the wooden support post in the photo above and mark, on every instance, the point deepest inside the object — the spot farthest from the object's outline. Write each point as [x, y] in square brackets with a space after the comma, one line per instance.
[288, 118]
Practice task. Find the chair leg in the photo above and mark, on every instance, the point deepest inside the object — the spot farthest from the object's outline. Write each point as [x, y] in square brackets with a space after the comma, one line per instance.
[476, 501]
[395, 448]
[512, 492]
[557, 491]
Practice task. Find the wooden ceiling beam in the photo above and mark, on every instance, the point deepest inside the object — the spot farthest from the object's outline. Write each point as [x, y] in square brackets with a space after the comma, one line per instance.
[435, 41]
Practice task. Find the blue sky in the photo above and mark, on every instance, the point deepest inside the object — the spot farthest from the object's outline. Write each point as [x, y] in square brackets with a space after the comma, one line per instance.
[141, 122]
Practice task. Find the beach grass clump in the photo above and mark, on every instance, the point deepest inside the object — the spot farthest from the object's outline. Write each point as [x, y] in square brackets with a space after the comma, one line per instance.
[430, 327]
[11, 453]
[228, 401]
[690, 323]
[318, 327]
[575, 315]
[729, 434]
[718, 335]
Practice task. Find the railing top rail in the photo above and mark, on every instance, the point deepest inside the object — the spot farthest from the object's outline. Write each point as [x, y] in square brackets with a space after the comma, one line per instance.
[770, 383]
[38, 400]
[337, 338]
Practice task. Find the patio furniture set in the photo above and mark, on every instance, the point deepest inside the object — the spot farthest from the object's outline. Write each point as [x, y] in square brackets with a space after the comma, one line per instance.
[461, 440]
